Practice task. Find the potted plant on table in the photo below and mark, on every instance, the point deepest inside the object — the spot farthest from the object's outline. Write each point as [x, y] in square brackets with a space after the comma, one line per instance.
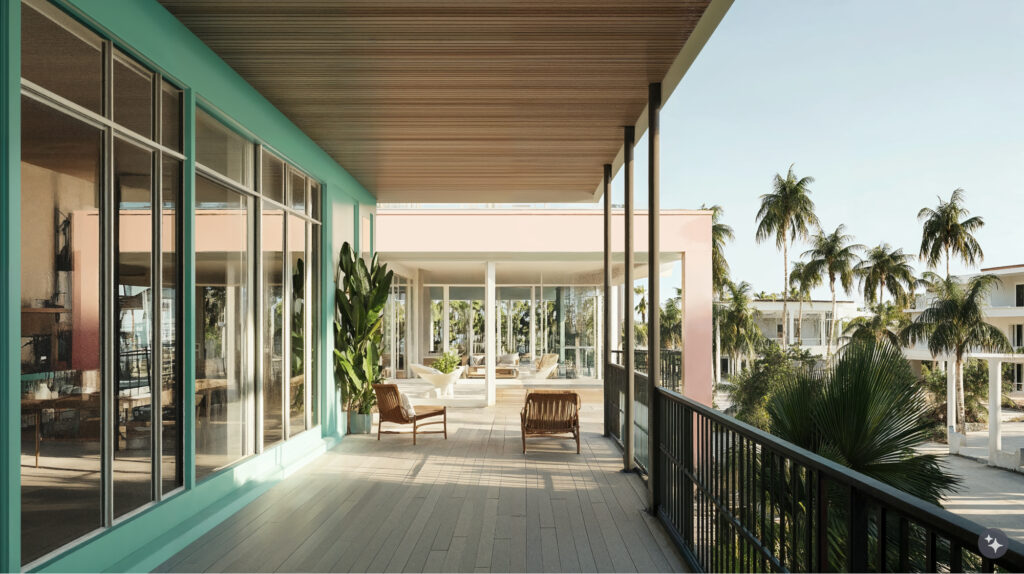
[359, 300]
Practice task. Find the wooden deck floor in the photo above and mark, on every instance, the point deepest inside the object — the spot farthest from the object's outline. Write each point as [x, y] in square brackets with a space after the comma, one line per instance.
[473, 503]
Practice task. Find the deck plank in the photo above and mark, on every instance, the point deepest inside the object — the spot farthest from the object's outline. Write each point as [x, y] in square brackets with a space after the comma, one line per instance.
[472, 503]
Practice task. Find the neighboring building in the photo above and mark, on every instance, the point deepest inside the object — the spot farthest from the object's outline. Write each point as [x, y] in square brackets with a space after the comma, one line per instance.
[546, 270]
[808, 326]
[1005, 310]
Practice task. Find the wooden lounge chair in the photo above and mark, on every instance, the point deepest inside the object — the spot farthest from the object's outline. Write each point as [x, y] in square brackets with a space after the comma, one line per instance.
[389, 404]
[549, 413]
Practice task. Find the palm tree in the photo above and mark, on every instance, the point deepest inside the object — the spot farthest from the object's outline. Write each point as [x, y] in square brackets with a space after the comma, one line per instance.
[886, 322]
[720, 234]
[955, 323]
[944, 233]
[802, 282]
[864, 411]
[885, 268]
[740, 334]
[641, 304]
[833, 255]
[786, 213]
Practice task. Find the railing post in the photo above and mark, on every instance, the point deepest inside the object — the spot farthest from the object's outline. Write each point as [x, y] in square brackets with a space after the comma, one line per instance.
[857, 533]
[654, 290]
[688, 438]
[606, 351]
[629, 138]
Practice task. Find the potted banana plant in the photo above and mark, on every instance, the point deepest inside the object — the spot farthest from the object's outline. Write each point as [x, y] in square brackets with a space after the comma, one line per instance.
[360, 299]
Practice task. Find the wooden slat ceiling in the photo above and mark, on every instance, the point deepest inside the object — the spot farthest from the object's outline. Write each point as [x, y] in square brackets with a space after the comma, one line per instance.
[460, 100]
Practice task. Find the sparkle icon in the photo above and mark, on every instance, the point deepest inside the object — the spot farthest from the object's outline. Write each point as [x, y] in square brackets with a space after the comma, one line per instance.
[992, 543]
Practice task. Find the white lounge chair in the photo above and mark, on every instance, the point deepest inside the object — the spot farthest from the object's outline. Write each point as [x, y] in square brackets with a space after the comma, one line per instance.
[546, 366]
[444, 383]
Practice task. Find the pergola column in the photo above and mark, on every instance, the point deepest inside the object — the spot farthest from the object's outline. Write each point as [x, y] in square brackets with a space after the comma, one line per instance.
[950, 401]
[606, 326]
[995, 395]
[654, 288]
[629, 139]
[489, 337]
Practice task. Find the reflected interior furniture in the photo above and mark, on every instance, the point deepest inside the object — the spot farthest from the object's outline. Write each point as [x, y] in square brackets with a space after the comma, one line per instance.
[444, 383]
[86, 402]
[507, 367]
[549, 413]
[389, 405]
[546, 366]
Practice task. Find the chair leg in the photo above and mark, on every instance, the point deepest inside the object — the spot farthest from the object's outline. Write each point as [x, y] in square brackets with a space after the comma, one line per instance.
[414, 433]
[524, 443]
[577, 440]
[378, 429]
[446, 424]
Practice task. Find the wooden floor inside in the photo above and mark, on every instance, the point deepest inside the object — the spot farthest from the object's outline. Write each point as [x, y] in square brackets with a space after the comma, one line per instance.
[473, 503]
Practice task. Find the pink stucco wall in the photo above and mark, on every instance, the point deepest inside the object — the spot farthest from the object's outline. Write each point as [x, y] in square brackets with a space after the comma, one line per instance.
[501, 231]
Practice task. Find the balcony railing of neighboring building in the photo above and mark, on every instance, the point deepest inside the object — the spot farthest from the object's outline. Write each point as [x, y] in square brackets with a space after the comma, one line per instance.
[735, 498]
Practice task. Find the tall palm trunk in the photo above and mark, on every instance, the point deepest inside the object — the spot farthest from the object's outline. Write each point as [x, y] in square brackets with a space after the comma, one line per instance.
[832, 323]
[718, 350]
[961, 408]
[947, 262]
[785, 287]
[800, 321]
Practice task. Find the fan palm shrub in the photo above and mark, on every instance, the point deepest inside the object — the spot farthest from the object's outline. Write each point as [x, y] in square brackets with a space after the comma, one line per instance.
[954, 323]
[833, 255]
[360, 299]
[866, 412]
[787, 213]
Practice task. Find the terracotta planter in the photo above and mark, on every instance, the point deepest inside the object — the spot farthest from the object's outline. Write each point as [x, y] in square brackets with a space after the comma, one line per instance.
[359, 424]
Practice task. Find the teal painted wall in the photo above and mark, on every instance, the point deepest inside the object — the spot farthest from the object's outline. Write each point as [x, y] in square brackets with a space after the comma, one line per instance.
[146, 30]
[10, 285]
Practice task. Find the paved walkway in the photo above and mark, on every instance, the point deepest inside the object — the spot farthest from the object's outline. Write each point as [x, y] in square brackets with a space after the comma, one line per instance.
[472, 503]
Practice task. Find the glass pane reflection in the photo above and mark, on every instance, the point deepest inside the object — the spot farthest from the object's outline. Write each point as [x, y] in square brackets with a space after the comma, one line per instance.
[272, 237]
[132, 405]
[297, 343]
[224, 394]
[60, 355]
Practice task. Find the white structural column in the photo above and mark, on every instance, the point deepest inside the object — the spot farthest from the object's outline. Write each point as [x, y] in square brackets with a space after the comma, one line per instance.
[950, 400]
[607, 308]
[489, 338]
[533, 324]
[995, 395]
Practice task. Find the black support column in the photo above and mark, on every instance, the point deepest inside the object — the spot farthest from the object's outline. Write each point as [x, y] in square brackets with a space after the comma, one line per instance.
[606, 323]
[654, 289]
[629, 140]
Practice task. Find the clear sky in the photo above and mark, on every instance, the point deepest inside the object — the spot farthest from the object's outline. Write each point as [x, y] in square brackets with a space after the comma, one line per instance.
[885, 103]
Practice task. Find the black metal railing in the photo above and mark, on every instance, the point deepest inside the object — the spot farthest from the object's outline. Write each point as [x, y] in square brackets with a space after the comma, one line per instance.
[615, 401]
[671, 365]
[735, 498]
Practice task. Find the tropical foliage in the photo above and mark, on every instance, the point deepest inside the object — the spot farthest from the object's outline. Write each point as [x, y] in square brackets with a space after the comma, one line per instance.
[886, 269]
[885, 323]
[864, 411]
[447, 362]
[801, 281]
[740, 334]
[833, 255]
[359, 302]
[787, 213]
[753, 388]
[954, 323]
[947, 231]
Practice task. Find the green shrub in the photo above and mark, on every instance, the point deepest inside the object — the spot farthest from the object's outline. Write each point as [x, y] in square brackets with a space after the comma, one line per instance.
[447, 362]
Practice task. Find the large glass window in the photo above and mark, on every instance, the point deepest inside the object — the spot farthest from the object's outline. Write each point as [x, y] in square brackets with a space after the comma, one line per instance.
[134, 307]
[274, 325]
[222, 150]
[224, 401]
[90, 435]
[61, 55]
[170, 325]
[297, 343]
[60, 329]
